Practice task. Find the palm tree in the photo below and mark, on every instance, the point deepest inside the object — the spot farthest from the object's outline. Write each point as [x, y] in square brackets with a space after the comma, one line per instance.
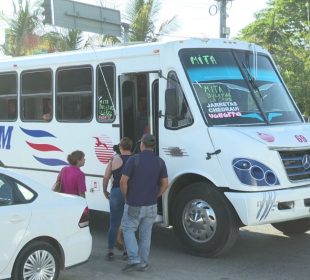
[142, 16]
[101, 41]
[64, 40]
[22, 35]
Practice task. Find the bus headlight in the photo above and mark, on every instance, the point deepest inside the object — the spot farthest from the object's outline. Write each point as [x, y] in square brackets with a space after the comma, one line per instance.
[253, 173]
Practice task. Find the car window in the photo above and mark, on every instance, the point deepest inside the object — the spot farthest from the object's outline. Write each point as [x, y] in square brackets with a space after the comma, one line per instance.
[26, 193]
[6, 193]
[14, 192]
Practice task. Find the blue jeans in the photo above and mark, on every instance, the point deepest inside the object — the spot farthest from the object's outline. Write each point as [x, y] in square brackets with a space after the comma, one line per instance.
[116, 212]
[142, 217]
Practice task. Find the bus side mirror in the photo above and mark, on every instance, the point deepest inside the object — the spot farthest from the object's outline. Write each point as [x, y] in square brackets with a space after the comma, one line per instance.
[171, 99]
[306, 118]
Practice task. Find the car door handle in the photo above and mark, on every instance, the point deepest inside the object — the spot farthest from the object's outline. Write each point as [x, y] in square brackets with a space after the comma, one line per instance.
[16, 219]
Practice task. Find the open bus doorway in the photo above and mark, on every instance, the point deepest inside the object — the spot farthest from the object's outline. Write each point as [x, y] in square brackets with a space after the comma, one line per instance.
[137, 106]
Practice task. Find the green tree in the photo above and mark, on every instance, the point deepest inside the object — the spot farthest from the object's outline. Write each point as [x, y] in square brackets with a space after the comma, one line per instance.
[283, 29]
[26, 33]
[142, 17]
[64, 40]
[22, 35]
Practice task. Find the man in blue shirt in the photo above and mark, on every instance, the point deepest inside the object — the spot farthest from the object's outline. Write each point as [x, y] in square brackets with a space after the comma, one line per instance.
[144, 179]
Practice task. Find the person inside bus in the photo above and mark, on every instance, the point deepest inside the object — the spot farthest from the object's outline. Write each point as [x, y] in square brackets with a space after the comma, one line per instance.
[142, 117]
[115, 196]
[71, 177]
[48, 115]
[12, 112]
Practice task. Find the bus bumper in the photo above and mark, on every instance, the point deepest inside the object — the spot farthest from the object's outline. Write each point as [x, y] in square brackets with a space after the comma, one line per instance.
[271, 206]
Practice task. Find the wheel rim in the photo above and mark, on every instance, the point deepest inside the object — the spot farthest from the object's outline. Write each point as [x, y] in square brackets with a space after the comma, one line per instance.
[199, 220]
[40, 265]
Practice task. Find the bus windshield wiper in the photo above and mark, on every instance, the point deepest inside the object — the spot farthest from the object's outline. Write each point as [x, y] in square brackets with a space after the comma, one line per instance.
[252, 81]
[255, 90]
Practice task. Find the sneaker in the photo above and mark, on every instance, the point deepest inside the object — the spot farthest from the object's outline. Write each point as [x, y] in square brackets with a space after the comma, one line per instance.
[109, 256]
[159, 219]
[130, 267]
[125, 256]
[143, 267]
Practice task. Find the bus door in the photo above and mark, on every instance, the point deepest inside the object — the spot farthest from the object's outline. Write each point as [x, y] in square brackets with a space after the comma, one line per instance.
[154, 90]
[138, 105]
[128, 104]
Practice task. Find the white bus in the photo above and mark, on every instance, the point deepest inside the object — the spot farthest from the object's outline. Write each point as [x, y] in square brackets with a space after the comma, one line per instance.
[235, 144]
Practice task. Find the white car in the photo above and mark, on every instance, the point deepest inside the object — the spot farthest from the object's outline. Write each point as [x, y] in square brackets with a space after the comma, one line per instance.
[41, 232]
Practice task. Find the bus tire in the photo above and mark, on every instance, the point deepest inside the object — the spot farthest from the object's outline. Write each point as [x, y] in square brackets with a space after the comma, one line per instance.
[38, 259]
[204, 220]
[293, 227]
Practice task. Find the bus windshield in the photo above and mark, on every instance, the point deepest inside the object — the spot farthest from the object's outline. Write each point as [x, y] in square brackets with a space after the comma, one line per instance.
[238, 87]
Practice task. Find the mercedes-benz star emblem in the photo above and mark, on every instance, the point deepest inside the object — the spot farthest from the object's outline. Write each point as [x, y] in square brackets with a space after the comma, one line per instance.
[306, 162]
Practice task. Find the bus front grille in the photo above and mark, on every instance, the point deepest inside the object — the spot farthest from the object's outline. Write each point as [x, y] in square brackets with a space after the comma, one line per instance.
[297, 164]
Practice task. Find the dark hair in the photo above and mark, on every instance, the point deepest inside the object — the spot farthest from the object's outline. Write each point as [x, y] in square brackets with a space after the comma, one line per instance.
[126, 144]
[116, 149]
[74, 157]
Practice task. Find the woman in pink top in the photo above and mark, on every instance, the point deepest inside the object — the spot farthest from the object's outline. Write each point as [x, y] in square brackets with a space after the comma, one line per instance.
[71, 177]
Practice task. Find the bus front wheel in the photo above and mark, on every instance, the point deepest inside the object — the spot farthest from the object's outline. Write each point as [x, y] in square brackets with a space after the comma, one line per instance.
[204, 220]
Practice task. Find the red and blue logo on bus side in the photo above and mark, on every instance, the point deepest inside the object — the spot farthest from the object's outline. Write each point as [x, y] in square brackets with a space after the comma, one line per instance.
[103, 146]
[43, 147]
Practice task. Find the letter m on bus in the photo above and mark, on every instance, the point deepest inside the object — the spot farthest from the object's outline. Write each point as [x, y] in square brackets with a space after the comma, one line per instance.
[5, 137]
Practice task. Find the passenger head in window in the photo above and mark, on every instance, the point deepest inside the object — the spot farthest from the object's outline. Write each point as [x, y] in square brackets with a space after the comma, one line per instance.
[12, 111]
[48, 115]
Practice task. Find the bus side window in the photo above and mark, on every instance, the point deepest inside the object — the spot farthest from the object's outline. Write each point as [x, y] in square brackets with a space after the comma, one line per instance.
[74, 94]
[105, 93]
[36, 90]
[182, 116]
[8, 96]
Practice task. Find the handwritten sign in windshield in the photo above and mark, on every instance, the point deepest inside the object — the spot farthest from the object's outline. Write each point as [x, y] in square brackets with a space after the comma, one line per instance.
[217, 100]
[223, 110]
[105, 109]
[217, 92]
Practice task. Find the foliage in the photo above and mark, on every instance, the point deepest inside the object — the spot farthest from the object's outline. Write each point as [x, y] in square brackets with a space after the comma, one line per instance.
[142, 17]
[22, 37]
[283, 29]
[64, 40]
[101, 41]
[27, 34]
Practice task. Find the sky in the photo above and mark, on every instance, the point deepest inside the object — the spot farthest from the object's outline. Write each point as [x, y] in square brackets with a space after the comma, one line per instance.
[193, 16]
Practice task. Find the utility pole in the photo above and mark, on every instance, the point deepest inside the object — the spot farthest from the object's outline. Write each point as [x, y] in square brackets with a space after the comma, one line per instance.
[223, 16]
[224, 30]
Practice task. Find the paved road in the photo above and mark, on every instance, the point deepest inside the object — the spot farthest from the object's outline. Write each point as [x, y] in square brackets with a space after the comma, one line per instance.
[260, 253]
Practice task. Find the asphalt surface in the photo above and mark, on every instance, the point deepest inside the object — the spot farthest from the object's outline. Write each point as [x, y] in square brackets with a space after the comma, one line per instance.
[260, 253]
